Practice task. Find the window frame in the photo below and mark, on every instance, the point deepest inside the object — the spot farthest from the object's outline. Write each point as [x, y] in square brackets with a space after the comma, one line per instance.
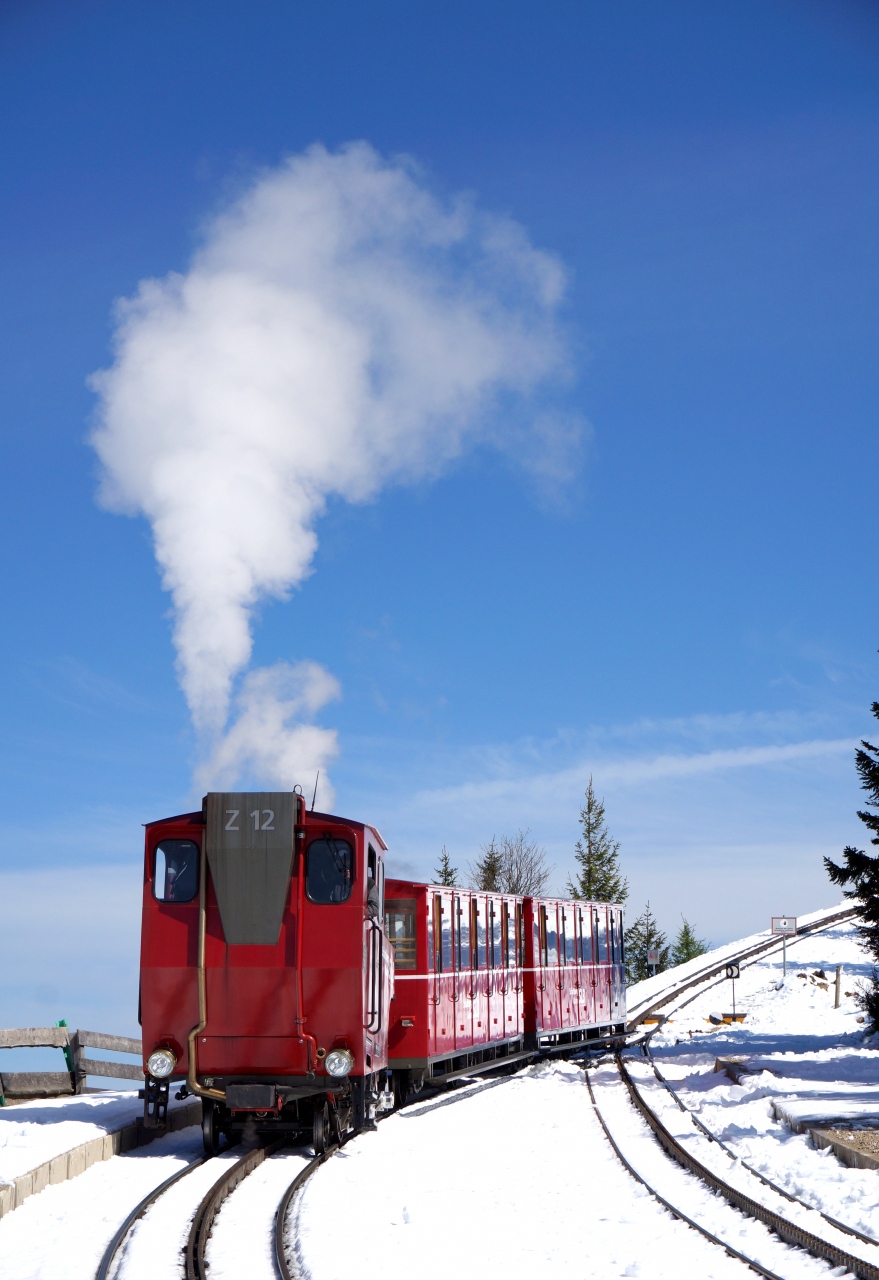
[399, 907]
[174, 902]
[330, 839]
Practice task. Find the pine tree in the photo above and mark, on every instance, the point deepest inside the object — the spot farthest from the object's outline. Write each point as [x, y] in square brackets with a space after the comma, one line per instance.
[644, 935]
[860, 870]
[445, 873]
[686, 945]
[486, 872]
[599, 878]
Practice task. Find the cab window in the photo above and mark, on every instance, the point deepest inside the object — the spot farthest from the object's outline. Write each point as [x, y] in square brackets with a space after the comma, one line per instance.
[175, 871]
[329, 870]
[400, 929]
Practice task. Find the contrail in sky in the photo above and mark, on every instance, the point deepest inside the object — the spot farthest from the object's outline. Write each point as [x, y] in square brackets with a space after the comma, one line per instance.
[339, 329]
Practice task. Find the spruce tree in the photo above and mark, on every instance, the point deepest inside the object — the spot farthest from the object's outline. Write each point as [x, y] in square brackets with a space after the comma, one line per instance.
[445, 873]
[686, 945]
[644, 935]
[860, 870]
[599, 878]
[486, 872]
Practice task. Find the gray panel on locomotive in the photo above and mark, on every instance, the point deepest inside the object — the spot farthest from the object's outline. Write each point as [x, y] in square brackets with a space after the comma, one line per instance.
[249, 847]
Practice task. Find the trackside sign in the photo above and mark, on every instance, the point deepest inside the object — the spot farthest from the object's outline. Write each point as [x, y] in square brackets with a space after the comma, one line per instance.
[784, 924]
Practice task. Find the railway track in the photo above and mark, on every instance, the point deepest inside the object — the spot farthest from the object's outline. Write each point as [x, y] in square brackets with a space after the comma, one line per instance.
[194, 1258]
[771, 1205]
[716, 969]
[203, 1220]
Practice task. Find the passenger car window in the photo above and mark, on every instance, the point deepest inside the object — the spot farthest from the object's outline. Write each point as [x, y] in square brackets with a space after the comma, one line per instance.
[175, 871]
[570, 940]
[446, 960]
[585, 938]
[600, 936]
[494, 917]
[552, 937]
[329, 870]
[400, 929]
[463, 918]
[481, 958]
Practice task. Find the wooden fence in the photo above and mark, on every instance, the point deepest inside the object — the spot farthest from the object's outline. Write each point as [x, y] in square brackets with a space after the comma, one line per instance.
[73, 1044]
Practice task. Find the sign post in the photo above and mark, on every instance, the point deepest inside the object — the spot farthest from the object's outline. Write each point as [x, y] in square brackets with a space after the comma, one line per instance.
[653, 960]
[787, 927]
[732, 972]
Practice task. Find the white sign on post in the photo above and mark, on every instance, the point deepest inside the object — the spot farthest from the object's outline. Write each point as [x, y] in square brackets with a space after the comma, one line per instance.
[653, 957]
[787, 927]
[784, 924]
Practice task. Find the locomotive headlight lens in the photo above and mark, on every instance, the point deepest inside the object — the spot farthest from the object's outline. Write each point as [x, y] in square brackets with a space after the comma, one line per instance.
[339, 1062]
[161, 1062]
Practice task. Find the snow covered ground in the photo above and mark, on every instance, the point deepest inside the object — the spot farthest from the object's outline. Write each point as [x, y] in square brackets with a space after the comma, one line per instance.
[520, 1178]
[518, 1174]
[801, 1052]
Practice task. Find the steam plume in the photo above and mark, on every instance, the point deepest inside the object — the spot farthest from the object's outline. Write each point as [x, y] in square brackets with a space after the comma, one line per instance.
[339, 329]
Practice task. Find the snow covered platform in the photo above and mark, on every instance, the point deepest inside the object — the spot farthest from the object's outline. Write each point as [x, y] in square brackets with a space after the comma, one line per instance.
[857, 1109]
[45, 1142]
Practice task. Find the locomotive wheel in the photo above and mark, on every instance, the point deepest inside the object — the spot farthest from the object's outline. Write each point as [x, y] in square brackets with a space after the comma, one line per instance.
[210, 1127]
[320, 1130]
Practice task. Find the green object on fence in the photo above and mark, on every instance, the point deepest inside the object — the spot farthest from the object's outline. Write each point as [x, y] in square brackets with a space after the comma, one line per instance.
[68, 1054]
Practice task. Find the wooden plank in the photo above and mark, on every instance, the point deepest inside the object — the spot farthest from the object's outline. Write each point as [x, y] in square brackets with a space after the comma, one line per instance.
[116, 1044]
[115, 1070]
[36, 1037]
[36, 1084]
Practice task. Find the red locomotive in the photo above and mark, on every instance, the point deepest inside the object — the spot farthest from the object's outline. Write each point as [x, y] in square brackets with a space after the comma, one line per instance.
[279, 986]
[266, 976]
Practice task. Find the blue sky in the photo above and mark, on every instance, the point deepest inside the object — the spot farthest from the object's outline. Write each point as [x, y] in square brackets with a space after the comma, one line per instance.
[688, 612]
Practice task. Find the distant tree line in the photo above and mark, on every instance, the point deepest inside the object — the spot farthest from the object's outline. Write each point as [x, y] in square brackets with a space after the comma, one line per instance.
[518, 864]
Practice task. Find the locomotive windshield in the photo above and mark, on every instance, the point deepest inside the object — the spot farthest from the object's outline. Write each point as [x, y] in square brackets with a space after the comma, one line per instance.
[329, 870]
[175, 874]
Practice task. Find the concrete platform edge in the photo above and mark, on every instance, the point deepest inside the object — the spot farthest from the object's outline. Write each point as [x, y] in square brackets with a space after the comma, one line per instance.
[74, 1162]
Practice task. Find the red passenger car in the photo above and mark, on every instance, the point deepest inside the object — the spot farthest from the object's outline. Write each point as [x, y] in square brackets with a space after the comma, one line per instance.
[459, 992]
[266, 977]
[485, 979]
[574, 972]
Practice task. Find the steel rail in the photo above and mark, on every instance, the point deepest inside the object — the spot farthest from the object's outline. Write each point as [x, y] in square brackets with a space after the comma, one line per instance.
[728, 1151]
[716, 968]
[673, 1210]
[137, 1212]
[200, 1230]
[788, 1231]
[281, 1215]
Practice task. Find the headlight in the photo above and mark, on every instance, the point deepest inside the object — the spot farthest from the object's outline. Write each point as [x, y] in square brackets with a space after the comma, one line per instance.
[339, 1062]
[161, 1062]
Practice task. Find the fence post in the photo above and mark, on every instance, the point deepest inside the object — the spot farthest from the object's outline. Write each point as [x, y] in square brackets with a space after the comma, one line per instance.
[77, 1053]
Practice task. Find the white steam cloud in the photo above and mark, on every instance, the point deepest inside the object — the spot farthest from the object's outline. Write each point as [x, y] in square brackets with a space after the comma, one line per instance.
[339, 329]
